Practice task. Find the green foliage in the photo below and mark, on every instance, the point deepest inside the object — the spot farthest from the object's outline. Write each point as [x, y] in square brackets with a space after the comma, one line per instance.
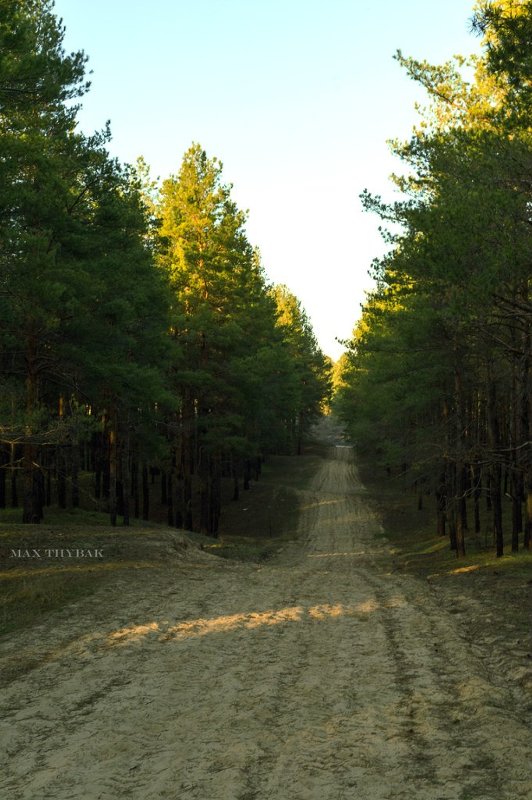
[437, 375]
[133, 318]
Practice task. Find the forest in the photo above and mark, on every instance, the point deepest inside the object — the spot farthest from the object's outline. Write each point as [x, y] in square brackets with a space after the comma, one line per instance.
[232, 569]
[140, 338]
[436, 383]
[141, 341]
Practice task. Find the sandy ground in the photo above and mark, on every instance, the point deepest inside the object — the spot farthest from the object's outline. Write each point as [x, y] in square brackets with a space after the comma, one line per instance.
[322, 675]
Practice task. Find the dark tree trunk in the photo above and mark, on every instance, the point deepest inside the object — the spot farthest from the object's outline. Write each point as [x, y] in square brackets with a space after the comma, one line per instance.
[440, 506]
[164, 493]
[145, 492]
[32, 509]
[96, 445]
[203, 475]
[247, 473]
[496, 501]
[125, 478]
[178, 488]
[495, 472]
[48, 487]
[40, 492]
[170, 500]
[215, 494]
[187, 503]
[4, 461]
[14, 472]
[135, 487]
[517, 510]
[61, 477]
[459, 472]
[75, 459]
[462, 499]
[187, 459]
[450, 508]
[178, 495]
[525, 424]
[119, 492]
[106, 460]
[527, 539]
[236, 486]
[477, 492]
[113, 468]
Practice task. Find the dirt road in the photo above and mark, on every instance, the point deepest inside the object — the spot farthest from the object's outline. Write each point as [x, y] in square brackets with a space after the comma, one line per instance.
[319, 676]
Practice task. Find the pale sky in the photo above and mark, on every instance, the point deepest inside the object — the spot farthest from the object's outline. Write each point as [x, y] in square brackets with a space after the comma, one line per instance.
[297, 98]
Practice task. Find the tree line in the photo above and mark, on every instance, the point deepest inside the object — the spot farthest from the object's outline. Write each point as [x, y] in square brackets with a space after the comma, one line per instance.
[139, 334]
[436, 380]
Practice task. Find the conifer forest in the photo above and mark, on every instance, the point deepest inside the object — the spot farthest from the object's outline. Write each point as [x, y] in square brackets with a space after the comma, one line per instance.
[233, 567]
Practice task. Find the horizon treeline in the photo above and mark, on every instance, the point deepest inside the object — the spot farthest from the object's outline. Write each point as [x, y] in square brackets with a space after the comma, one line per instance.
[436, 381]
[138, 331]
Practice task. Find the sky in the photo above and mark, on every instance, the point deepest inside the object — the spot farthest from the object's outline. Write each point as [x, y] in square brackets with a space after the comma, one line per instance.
[297, 98]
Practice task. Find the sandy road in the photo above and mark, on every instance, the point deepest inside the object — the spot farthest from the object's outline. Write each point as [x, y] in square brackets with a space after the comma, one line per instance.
[320, 676]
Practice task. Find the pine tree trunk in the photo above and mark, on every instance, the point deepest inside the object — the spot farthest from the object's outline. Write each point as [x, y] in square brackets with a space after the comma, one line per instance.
[106, 460]
[60, 461]
[75, 459]
[113, 467]
[496, 500]
[440, 506]
[526, 425]
[236, 487]
[178, 493]
[14, 473]
[4, 461]
[460, 502]
[247, 474]
[517, 497]
[203, 475]
[170, 500]
[477, 492]
[31, 508]
[31, 511]
[97, 462]
[527, 539]
[187, 503]
[459, 468]
[463, 502]
[215, 497]
[145, 492]
[135, 487]
[186, 457]
[450, 507]
[495, 472]
[48, 486]
[124, 471]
